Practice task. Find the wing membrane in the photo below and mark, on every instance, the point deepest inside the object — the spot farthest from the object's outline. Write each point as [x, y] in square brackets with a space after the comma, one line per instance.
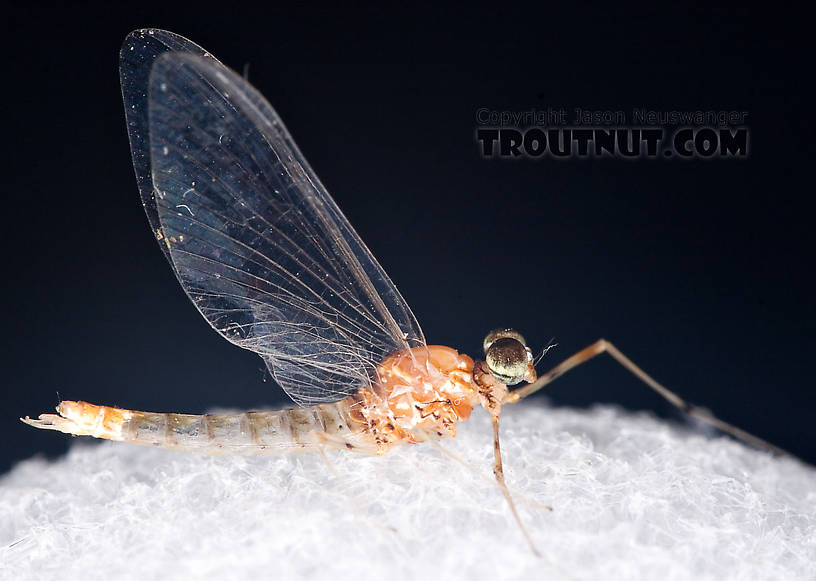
[254, 238]
[139, 52]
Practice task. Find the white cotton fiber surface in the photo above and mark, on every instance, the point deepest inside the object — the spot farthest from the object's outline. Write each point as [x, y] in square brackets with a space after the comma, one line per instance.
[633, 497]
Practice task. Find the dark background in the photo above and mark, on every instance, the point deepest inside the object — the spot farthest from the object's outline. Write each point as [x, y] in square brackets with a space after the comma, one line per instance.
[698, 270]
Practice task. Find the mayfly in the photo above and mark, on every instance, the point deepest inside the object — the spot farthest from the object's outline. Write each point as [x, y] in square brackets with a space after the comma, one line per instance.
[270, 261]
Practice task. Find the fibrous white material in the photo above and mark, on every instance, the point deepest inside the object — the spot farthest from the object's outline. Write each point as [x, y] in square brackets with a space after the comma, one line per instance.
[633, 497]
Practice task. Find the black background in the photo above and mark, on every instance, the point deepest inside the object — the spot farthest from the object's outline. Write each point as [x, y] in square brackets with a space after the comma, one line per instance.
[698, 270]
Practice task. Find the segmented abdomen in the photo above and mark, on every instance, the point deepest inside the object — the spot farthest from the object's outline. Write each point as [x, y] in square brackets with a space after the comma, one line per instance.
[421, 394]
[247, 433]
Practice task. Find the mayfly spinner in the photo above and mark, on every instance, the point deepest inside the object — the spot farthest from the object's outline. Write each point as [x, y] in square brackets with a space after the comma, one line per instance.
[269, 260]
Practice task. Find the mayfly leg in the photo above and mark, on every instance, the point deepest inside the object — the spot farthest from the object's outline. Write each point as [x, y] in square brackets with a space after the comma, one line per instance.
[498, 471]
[604, 346]
[476, 472]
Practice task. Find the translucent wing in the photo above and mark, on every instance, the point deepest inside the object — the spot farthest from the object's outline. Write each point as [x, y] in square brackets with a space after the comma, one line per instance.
[139, 52]
[256, 241]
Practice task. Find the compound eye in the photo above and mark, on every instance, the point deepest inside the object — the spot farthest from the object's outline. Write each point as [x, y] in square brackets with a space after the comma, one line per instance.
[508, 360]
[496, 334]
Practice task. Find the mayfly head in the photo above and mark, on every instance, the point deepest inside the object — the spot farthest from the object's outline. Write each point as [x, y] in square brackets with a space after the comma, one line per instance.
[508, 358]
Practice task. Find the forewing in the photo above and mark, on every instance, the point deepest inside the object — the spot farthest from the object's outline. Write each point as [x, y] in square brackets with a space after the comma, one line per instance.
[136, 58]
[257, 242]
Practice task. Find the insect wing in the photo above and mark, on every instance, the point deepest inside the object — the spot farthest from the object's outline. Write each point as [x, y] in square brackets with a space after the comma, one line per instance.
[257, 242]
[139, 52]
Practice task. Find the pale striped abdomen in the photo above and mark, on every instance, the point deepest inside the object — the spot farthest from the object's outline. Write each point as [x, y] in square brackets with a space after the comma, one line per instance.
[421, 394]
[246, 433]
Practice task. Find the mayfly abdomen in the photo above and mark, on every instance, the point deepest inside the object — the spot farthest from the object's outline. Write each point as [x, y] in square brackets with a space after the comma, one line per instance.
[247, 433]
[421, 394]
